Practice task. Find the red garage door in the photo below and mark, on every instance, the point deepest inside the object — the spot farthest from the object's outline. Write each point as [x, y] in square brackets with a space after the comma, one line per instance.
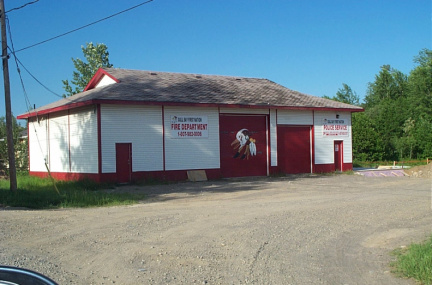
[294, 149]
[243, 145]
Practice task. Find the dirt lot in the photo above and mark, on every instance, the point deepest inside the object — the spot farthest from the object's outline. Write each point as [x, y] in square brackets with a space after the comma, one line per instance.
[292, 230]
[422, 171]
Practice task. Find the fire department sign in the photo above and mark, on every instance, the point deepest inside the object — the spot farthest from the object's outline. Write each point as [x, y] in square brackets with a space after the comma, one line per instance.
[187, 127]
[335, 128]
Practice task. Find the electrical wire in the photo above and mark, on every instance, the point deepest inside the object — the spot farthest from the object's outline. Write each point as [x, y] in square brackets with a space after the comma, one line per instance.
[17, 8]
[37, 80]
[28, 102]
[19, 71]
[85, 26]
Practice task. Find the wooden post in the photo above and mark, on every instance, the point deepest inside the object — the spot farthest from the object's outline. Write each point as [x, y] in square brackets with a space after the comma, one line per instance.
[9, 130]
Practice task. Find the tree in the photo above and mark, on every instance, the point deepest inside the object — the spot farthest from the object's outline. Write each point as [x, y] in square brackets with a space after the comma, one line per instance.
[345, 95]
[21, 149]
[420, 85]
[386, 104]
[389, 84]
[96, 56]
[367, 143]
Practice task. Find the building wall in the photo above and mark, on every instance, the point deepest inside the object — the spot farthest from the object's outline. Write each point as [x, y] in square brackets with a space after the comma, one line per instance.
[68, 142]
[139, 125]
[38, 143]
[59, 142]
[294, 117]
[73, 139]
[324, 144]
[192, 153]
[83, 140]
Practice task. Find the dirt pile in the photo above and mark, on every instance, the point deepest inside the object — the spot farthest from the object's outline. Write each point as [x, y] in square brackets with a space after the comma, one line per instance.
[422, 171]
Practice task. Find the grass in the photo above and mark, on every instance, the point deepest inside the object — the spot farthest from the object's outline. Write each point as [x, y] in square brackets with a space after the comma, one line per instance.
[39, 193]
[415, 262]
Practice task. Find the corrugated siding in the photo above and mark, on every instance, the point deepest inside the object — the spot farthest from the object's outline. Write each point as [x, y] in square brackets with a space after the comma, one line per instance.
[273, 138]
[294, 117]
[59, 142]
[192, 153]
[38, 144]
[324, 152]
[83, 141]
[139, 125]
[244, 111]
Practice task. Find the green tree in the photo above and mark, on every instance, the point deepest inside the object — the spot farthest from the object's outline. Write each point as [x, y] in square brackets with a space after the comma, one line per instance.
[386, 105]
[423, 136]
[96, 56]
[21, 145]
[367, 143]
[420, 85]
[390, 84]
[345, 95]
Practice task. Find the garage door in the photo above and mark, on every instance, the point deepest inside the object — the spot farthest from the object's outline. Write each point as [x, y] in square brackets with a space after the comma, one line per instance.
[243, 145]
[294, 149]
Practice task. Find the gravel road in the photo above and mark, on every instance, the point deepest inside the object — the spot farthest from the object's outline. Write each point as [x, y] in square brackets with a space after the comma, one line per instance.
[333, 229]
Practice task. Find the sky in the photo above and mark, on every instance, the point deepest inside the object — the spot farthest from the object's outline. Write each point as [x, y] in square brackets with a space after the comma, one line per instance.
[312, 46]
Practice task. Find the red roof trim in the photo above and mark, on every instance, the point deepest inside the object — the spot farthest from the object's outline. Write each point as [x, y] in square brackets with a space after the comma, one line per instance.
[97, 78]
[120, 102]
[56, 109]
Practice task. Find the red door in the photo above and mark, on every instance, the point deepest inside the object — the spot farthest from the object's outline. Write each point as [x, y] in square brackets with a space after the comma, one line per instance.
[243, 145]
[123, 162]
[294, 149]
[338, 155]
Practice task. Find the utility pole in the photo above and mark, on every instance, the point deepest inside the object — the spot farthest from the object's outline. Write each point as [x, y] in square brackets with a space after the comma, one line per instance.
[5, 57]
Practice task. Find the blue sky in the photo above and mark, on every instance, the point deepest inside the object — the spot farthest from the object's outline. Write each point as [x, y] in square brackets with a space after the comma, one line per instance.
[310, 46]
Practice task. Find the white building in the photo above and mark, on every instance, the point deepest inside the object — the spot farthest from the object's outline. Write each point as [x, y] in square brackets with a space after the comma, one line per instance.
[129, 125]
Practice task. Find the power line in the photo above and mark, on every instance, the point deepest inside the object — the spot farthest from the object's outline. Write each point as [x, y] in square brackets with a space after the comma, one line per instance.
[85, 26]
[34, 77]
[16, 62]
[17, 8]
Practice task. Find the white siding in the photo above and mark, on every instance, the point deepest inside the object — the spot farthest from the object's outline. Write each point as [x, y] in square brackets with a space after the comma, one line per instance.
[83, 140]
[294, 117]
[273, 138]
[38, 143]
[59, 142]
[192, 153]
[106, 80]
[324, 153]
[139, 125]
[244, 111]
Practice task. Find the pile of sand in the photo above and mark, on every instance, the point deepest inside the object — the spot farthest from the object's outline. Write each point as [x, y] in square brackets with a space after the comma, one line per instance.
[422, 171]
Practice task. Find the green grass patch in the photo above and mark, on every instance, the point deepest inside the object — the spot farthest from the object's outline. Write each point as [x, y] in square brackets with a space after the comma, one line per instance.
[40, 193]
[415, 262]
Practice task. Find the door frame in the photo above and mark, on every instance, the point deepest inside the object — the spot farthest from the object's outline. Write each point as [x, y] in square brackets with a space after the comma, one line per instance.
[338, 155]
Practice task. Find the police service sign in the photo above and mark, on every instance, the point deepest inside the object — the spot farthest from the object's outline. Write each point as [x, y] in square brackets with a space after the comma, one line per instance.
[187, 127]
[335, 128]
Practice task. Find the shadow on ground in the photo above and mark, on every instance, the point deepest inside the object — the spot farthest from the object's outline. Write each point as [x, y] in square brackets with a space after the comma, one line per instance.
[180, 190]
